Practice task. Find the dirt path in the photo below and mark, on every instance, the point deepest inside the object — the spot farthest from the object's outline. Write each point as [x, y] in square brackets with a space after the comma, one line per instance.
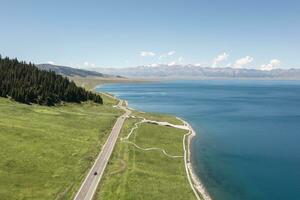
[196, 185]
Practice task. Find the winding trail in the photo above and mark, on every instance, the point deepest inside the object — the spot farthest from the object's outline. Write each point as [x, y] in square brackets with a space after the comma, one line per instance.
[132, 130]
[143, 120]
[152, 148]
[196, 185]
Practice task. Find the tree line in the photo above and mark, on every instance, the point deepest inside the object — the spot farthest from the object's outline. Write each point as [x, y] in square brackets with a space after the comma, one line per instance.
[26, 83]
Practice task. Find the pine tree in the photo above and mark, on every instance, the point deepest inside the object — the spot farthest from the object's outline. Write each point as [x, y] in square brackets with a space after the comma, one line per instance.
[25, 83]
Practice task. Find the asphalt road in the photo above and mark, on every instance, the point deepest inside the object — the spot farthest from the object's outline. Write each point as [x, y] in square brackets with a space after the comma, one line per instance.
[89, 186]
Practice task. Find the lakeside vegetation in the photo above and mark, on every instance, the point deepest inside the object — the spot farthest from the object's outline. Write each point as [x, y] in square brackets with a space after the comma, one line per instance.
[136, 174]
[47, 151]
[26, 83]
[158, 117]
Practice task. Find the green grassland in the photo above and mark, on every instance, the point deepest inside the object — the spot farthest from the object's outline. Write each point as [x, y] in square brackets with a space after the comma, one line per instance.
[136, 174]
[158, 117]
[109, 101]
[47, 151]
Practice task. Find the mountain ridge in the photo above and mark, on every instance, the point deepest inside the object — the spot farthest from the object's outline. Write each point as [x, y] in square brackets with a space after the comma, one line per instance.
[70, 71]
[194, 71]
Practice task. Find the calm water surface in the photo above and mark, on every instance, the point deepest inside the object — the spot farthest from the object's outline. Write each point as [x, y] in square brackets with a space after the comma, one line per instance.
[248, 132]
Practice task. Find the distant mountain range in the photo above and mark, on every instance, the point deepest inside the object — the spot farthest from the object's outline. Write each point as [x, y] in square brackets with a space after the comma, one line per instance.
[69, 71]
[194, 72]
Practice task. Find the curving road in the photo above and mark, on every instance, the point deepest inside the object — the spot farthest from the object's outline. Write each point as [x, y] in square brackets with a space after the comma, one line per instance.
[89, 186]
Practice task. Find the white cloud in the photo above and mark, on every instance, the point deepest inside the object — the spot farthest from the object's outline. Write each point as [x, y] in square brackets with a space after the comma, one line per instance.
[219, 59]
[147, 54]
[274, 63]
[198, 64]
[228, 65]
[172, 63]
[242, 62]
[180, 59]
[153, 65]
[87, 64]
[168, 54]
[51, 62]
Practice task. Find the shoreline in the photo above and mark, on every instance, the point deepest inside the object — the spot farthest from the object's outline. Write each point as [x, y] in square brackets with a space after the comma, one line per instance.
[194, 180]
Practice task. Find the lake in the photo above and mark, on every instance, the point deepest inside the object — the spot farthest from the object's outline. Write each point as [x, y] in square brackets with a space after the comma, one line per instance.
[247, 144]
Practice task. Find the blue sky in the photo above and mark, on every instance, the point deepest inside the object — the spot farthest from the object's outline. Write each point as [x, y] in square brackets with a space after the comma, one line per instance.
[236, 33]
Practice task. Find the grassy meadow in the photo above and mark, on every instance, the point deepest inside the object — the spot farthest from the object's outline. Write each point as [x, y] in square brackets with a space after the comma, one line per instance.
[47, 151]
[158, 117]
[136, 174]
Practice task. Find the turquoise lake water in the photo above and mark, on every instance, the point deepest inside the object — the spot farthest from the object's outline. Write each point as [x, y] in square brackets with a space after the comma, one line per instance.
[247, 145]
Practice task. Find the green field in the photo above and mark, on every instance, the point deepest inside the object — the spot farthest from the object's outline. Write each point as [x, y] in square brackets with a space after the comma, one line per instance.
[47, 151]
[136, 174]
[109, 101]
[158, 117]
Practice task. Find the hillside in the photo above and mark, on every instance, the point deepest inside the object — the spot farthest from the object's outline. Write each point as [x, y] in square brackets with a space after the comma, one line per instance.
[69, 71]
[47, 151]
[25, 83]
[194, 72]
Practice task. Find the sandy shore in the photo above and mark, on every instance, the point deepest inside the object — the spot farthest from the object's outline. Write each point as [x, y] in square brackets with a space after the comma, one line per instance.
[197, 186]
